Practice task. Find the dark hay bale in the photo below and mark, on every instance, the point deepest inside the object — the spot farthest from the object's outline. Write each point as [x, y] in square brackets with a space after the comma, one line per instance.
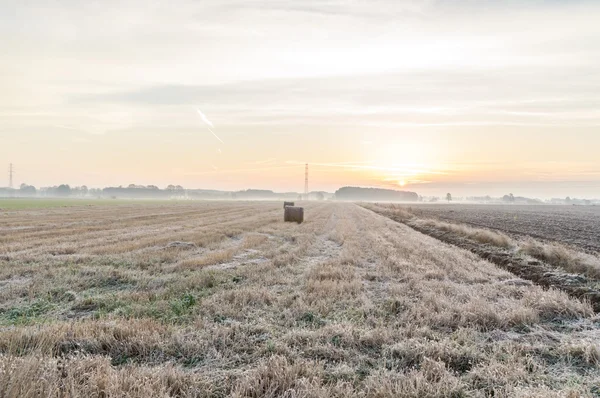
[293, 214]
[286, 204]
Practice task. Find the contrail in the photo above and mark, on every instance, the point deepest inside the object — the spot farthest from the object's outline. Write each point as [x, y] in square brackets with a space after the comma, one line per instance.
[216, 136]
[209, 124]
[204, 118]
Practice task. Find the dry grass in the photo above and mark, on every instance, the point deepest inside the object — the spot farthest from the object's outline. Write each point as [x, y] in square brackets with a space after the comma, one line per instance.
[405, 215]
[484, 236]
[93, 302]
[561, 256]
[555, 254]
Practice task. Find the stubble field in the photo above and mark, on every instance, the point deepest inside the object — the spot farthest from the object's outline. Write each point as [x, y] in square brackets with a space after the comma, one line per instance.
[215, 299]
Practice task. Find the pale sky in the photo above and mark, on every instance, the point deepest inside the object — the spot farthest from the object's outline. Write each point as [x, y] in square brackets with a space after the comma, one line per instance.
[466, 96]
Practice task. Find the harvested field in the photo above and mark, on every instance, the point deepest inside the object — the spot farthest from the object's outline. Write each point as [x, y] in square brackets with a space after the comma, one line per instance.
[547, 264]
[218, 299]
[577, 226]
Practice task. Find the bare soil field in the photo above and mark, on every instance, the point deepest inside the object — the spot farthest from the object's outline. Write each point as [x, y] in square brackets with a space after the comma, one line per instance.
[578, 226]
[216, 299]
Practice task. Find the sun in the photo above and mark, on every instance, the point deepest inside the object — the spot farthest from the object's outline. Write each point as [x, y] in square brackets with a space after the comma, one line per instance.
[402, 183]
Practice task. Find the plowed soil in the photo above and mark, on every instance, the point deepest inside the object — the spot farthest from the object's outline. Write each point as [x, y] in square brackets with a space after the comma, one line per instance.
[577, 226]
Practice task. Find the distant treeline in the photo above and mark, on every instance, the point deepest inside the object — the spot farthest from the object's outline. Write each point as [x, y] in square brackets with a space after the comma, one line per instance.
[375, 195]
[134, 191]
[510, 198]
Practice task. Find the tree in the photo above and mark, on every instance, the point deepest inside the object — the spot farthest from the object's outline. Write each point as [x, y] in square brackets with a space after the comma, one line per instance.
[320, 196]
[63, 190]
[510, 198]
[82, 190]
[449, 197]
[27, 190]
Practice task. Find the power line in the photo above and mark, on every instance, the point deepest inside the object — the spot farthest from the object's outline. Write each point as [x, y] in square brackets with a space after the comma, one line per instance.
[11, 171]
[306, 181]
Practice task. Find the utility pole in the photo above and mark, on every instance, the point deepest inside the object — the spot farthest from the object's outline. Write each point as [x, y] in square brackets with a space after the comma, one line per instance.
[306, 181]
[11, 171]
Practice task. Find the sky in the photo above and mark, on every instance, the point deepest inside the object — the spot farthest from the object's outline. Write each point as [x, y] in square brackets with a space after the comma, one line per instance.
[472, 97]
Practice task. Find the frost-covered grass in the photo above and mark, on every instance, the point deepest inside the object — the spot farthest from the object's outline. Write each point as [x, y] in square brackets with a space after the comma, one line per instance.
[94, 302]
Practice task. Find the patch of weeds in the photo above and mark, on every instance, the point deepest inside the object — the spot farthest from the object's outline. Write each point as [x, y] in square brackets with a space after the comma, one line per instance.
[311, 319]
[356, 315]
[120, 359]
[395, 307]
[115, 262]
[209, 281]
[86, 304]
[336, 340]
[100, 280]
[236, 235]
[521, 328]
[336, 375]
[25, 314]
[238, 279]
[60, 295]
[371, 277]
[182, 306]
[218, 318]
[363, 371]
[191, 362]
[461, 363]
[99, 305]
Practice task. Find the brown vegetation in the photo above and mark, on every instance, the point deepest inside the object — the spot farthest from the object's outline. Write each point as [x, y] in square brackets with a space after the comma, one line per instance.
[562, 256]
[554, 253]
[99, 302]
